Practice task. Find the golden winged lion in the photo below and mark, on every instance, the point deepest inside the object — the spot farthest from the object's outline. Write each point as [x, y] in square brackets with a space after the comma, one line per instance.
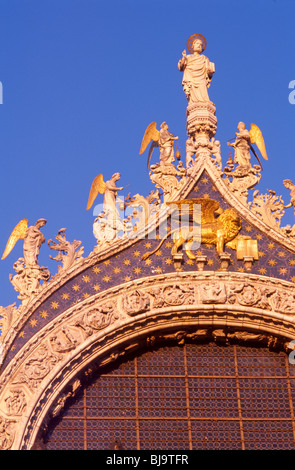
[218, 228]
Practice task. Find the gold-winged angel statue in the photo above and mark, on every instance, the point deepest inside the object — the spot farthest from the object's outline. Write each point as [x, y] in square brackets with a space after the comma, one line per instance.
[243, 145]
[32, 237]
[159, 138]
[110, 190]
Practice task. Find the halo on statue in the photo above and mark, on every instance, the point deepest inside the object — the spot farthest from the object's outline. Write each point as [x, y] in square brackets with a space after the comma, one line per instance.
[192, 38]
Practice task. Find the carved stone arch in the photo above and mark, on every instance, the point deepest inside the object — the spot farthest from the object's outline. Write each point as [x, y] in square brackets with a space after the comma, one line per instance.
[218, 306]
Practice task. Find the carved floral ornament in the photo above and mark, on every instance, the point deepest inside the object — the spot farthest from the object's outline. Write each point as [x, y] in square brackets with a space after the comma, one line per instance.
[220, 307]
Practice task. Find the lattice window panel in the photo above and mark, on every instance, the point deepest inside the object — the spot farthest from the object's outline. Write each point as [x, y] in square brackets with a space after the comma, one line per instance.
[189, 397]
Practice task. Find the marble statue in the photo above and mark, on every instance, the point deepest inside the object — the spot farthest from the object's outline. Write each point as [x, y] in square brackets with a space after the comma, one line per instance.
[241, 147]
[197, 70]
[290, 185]
[33, 239]
[159, 138]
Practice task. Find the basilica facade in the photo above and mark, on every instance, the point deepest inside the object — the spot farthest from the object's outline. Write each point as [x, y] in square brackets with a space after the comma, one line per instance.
[176, 331]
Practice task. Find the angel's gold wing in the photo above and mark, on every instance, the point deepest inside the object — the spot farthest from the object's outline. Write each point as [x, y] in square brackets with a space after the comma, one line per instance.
[18, 233]
[256, 137]
[98, 187]
[150, 134]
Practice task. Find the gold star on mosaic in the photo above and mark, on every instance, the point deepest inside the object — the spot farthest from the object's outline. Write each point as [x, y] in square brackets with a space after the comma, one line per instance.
[206, 196]
[22, 334]
[44, 314]
[241, 270]
[259, 236]
[292, 279]
[281, 254]
[262, 271]
[283, 271]
[248, 228]
[85, 295]
[127, 278]
[33, 322]
[292, 262]
[96, 287]
[159, 253]
[117, 270]
[54, 305]
[190, 261]
[148, 261]
[136, 253]
[272, 262]
[86, 279]
[107, 262]
[137, 270]
[76, 287]
[168, 244]
[204, 180]
[106, 278]
[261, 254]
[168, 261]
[127, 262]
[148, 245]
[96, 270]
[65, 296]
[271, 246]
[210, 262]
[196, 188]
[158, 270]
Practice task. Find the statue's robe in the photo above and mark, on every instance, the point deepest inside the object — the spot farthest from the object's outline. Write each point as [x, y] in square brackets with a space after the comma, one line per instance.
[196, 78]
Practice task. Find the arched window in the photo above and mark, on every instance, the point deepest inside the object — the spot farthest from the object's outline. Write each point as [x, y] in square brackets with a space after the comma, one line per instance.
[195, 396]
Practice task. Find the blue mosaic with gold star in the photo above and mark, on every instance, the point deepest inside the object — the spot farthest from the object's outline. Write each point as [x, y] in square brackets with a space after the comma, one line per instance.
[127, 265]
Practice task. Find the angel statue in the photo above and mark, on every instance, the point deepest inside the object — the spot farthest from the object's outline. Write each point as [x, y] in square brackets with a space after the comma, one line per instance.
[163, 139]
[110, 211]
[242, 145]
[33, 239]
[290, 185]
[28, 275]
[197, 70]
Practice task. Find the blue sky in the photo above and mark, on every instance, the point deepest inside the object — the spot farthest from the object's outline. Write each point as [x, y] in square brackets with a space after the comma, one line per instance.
[82, 79]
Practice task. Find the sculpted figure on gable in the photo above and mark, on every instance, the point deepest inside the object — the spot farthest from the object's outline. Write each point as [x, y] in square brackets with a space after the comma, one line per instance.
[28, 277]
[197, 70]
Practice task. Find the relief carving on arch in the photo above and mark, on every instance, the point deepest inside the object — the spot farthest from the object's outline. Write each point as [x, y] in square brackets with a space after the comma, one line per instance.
[172, 295]
[7, 433]
[97, 318]
[57, 345]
